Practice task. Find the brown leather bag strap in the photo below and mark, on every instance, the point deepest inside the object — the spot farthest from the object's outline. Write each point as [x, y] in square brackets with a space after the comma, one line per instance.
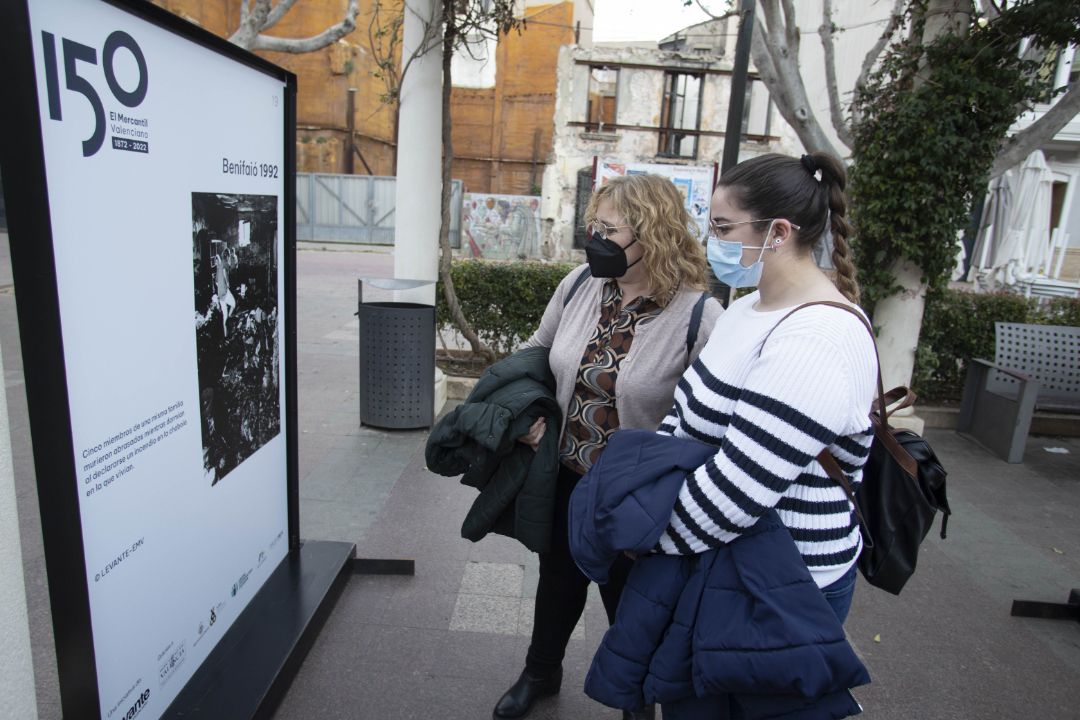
[832, 469]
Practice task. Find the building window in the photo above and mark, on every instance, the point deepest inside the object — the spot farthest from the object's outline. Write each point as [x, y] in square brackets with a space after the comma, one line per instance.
[680, 111]
[603, 97]
[757, 110]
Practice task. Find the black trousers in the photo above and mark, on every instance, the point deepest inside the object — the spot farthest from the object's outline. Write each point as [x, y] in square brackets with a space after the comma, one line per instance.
[563, 589]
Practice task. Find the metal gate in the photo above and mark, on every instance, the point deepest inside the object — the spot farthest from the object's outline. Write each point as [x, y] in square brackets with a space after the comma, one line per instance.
[356, 208]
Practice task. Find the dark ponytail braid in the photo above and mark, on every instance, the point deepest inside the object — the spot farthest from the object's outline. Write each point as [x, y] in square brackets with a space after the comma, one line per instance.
[834, 179]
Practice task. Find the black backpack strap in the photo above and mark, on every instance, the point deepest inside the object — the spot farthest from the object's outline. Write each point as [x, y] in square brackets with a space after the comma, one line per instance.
[695, 323]
[581, 278]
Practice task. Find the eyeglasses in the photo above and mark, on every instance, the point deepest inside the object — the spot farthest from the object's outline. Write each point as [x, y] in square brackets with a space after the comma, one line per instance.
[603, 229]
[716, 230]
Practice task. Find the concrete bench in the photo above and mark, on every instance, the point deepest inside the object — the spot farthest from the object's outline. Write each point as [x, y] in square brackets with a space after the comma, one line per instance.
[1035, 366]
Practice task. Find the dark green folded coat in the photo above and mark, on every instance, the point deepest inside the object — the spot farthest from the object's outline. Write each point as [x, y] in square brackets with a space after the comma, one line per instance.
[479, 439]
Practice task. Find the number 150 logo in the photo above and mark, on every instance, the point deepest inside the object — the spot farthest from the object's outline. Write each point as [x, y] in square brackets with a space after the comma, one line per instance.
[75, 53]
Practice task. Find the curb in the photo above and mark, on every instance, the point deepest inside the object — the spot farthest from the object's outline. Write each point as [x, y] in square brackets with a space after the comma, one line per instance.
[942, 417]
[458, 388]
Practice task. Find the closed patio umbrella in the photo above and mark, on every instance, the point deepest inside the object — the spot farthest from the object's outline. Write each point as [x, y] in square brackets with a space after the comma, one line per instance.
[992, 224]
[1027, 229]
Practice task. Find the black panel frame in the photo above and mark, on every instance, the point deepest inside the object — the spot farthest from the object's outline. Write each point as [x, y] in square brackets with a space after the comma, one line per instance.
[22, 164]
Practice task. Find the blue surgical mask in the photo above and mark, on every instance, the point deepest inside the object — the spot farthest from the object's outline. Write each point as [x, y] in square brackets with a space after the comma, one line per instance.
[725, 258]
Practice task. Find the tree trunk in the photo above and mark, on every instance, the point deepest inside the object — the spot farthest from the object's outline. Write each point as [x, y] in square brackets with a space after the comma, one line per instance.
[899, 318]
[446, 253]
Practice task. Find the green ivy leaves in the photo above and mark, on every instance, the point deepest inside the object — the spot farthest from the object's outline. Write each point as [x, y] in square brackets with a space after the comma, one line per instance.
[930, 123]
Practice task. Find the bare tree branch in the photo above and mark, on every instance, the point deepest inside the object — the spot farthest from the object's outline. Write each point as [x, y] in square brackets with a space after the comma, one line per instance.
[258, 19]
[251, 22]
[763, 61]
[791, 26]
[773, 25]
[391, 74]
[713, 16]
[775, 52]
[278, 12]
[835, 111]
[1023, 143]
[872, 55]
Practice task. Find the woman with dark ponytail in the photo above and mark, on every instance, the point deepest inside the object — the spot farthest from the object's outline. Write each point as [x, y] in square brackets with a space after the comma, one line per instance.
[772, 395]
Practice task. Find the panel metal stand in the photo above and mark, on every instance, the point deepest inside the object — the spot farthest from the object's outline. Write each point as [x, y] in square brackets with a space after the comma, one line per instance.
[1047, 610]
[247, 674]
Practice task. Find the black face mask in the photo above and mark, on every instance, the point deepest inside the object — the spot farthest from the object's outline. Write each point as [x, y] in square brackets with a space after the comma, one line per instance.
[606, 258]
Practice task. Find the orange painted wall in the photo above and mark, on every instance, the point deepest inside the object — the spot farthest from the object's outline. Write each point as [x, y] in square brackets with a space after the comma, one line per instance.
[494, 128]
[323, 80]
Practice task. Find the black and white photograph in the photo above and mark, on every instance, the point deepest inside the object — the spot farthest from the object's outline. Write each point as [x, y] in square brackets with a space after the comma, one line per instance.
[236, 326]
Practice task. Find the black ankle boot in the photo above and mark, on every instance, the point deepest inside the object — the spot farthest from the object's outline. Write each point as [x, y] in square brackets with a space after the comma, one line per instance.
[518, 700]
[646, 713]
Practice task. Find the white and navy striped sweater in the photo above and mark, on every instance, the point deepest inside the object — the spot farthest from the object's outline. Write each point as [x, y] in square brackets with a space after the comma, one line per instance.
[770, 414]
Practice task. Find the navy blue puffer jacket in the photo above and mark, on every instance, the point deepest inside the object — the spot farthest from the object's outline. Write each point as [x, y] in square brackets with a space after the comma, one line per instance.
[745, 620]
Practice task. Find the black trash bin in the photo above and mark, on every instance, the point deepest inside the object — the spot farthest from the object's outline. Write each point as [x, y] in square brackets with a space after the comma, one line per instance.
[397, 358]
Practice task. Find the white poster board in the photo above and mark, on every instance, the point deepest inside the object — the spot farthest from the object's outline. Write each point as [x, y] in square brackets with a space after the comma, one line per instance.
[165, 164]
[695, 183]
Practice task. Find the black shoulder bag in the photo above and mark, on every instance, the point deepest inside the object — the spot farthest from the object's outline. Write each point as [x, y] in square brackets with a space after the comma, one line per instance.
[903, 486]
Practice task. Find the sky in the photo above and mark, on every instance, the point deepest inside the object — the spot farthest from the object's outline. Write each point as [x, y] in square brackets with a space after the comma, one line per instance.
[644, 19]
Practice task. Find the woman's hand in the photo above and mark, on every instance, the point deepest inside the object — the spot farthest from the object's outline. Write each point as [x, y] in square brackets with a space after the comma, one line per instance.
[536, 431]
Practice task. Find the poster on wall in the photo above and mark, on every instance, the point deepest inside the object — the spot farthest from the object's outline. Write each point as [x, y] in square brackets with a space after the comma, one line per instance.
[694, 182]
[502, 227]
[167, 167]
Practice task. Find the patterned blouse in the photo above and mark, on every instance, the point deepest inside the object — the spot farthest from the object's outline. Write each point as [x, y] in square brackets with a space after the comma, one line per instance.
[592, 417]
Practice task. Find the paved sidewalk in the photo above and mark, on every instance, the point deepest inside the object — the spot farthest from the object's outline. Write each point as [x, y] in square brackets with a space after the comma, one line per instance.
[447, 642]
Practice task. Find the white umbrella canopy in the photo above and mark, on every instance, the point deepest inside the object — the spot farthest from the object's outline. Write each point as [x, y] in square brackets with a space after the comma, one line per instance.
[1026, 239]
[992, 224]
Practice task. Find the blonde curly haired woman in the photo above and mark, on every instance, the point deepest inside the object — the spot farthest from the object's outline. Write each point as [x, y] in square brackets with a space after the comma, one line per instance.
[621, 331]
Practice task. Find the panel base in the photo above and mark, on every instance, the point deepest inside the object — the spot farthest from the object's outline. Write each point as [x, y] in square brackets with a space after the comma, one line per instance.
[1047, 610]
[249, 671]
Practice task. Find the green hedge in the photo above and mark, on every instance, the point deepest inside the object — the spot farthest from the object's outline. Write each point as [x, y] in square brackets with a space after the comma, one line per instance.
[505, 301]
[959, 325]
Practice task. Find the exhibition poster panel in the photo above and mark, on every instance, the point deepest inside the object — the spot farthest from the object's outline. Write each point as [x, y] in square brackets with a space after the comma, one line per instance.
[694, 182]
[166, 184]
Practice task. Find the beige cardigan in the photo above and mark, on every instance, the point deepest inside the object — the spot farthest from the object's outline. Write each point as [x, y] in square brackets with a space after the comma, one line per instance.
[645, 389]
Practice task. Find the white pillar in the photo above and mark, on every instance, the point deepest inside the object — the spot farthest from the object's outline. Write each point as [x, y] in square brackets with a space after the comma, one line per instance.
[419, 166]
[17, 676]
[900, 318]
